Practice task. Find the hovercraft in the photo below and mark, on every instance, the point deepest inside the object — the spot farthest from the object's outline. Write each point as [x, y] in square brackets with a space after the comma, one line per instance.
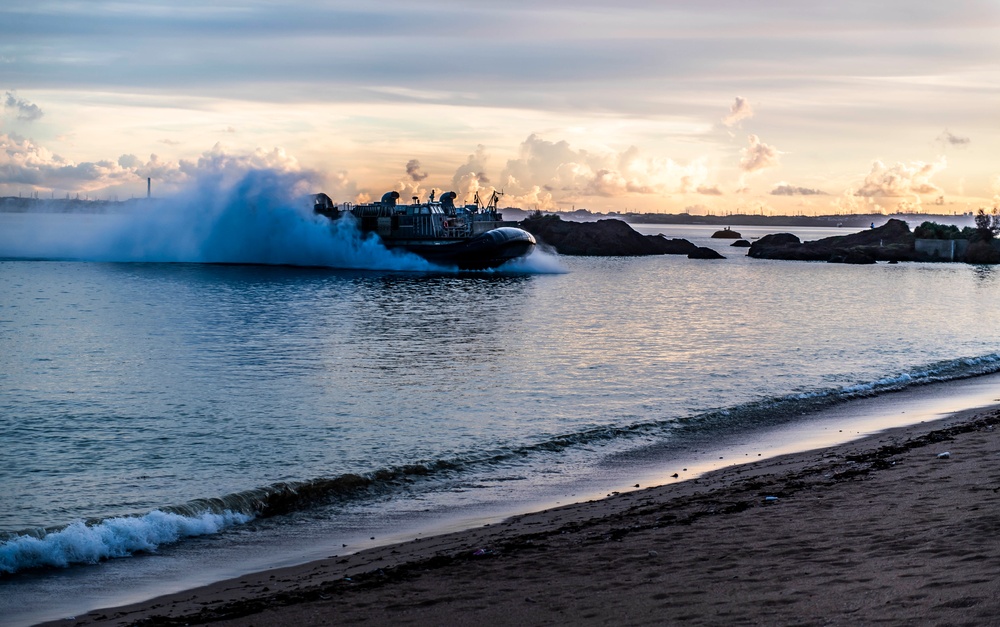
[471, 237]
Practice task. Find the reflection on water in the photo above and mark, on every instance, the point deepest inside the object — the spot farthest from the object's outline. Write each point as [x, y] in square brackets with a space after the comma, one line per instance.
[417, 327]
[135, 386]
[985, 275]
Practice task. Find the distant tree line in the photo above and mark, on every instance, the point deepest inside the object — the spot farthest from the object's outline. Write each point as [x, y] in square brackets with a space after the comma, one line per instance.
[987, 227]
[981, 245]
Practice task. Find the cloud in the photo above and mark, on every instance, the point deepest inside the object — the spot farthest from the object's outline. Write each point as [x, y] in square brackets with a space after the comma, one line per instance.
[949, 138]
[570, 175]
[707, 190]
[413, 171]
[26, 111]
[739, 110]
[22, 162]
[533, 198]
[784, 189]
[471, 177]
[901, 179]
[758, 156]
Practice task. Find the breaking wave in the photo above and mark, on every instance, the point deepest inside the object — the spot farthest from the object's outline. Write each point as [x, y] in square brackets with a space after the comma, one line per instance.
[79, 543]
[91, 542]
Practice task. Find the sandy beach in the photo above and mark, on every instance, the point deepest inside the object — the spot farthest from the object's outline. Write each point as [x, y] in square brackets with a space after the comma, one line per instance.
[897, 528]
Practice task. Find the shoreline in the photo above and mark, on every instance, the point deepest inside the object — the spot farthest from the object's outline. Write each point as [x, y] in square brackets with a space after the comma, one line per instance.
[552, 565]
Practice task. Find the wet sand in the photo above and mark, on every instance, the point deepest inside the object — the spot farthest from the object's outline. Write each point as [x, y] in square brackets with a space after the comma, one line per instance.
[884, 529]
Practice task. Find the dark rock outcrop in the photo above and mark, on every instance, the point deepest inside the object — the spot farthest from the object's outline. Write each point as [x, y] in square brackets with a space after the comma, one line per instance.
[726, 233]
[704, 253]
[602, 238]
[741, 243]
[892, 241]
[663, 246]
[982, 253]
[853, 256]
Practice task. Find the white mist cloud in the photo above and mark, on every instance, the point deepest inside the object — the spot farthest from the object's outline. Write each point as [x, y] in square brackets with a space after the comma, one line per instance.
[739, 110]
[902, 179]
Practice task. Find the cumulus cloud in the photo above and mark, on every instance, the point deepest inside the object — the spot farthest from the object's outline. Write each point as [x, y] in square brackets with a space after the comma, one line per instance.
[533, 198]
[784, 189]
[471, 177]
[851, 203]
[739, 110]
[758, 156]
[341, 187]
[26, 111]
[22, 162]
[413, 171]
[901, 179]
[567, 174]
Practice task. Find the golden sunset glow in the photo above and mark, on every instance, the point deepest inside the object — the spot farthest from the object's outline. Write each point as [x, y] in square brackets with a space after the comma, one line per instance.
[714, 107]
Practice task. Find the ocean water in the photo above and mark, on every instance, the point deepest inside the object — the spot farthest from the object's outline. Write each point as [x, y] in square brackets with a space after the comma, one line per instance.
[164, 422]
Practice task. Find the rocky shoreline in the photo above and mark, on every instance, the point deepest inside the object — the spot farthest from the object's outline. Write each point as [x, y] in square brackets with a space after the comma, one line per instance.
[892, 242]
[609, 237]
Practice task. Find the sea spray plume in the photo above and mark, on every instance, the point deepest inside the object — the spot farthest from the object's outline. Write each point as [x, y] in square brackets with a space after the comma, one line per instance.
[540, 261]
[262, 216]
[249, 216]
[228, 213]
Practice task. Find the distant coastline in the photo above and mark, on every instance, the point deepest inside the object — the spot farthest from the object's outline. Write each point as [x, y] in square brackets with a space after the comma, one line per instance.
[15, 204]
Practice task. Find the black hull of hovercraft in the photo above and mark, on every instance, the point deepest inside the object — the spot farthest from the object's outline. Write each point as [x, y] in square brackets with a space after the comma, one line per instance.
[487, 250]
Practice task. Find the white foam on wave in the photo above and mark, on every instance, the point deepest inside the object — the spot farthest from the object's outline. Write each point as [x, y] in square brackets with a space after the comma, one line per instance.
[538, 262]
[943, 371]
[79, 543]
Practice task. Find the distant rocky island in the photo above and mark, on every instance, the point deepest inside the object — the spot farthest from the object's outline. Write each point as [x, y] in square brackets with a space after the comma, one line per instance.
[892, 242]
[607, 237]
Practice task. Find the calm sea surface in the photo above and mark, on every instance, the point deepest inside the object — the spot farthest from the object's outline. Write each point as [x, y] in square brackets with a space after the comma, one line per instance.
[180, 413]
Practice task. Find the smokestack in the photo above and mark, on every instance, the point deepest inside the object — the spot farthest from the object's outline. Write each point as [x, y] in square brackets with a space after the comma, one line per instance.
[149, 186]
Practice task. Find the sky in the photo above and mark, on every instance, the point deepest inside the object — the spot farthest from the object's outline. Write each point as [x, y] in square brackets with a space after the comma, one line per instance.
[707, 106]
